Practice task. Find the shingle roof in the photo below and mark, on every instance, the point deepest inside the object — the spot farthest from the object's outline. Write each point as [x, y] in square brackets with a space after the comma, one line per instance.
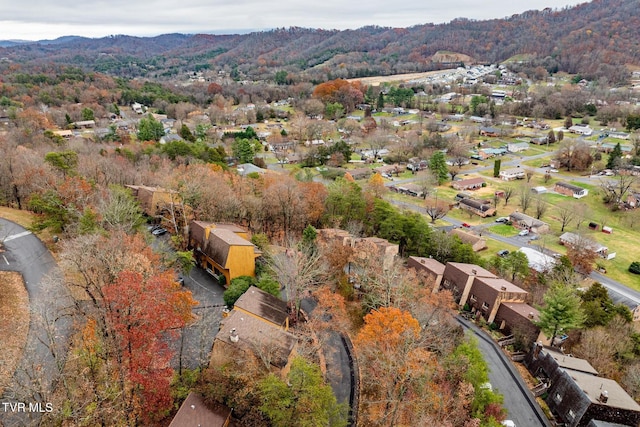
[592, 386]
[194, 413]
[264, 305]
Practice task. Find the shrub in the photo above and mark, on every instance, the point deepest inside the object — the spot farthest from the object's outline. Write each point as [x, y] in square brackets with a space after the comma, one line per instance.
[635, 267]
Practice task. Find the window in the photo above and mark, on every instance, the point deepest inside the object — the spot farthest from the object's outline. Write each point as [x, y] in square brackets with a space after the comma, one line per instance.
[571, 414]
[473, 298]
[485, 306]
[557, 398]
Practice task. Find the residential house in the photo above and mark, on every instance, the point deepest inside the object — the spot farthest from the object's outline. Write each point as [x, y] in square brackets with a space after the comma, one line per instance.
[66, 134]
[84, 124]
[477, 243]
[458, 278]
[576, 395]
[244, 337]
[386, 250]
[518, 317]
[138, 108]
[195, 413]
[538, 261]
[155, 200]
[429, 268]
[266, 307]
[516, 147]
[477, 207]
[489, 131]
[468, 184]
[572, 190]
[571, 239]
[360, 173]
[172, 137]
[487, 293]
[633, 200]
[523, 221]
[511, 174]
[389, 169]
[583, 130]
[409, 189]
[541, 140]
[223, 250]
[487, 153]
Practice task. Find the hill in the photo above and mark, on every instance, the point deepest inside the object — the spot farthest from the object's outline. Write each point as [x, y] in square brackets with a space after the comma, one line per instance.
[595, 39]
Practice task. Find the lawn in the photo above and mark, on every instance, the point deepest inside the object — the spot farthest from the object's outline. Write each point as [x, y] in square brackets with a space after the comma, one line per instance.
[24, 218]
[14, 323]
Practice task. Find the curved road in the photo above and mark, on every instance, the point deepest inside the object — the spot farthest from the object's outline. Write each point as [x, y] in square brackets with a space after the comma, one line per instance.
[49, 328]
[522, 408]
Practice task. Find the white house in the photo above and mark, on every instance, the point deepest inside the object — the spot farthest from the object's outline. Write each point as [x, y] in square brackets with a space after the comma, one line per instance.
[511, 174]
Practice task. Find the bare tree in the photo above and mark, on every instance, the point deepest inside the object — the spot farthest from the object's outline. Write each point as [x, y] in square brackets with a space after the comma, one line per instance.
[540, 206]
[529, 173]
[617, 188]
[581, 212]
[525, 197]
[436, 209]
[508, 193]
[567, 214]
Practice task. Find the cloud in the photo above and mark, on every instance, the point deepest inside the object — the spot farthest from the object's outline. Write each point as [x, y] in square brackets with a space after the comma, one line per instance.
[45, 19]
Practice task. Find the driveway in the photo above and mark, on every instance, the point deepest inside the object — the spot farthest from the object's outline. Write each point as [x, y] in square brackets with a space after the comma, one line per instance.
[49, 329]
[522, 408]
[196, 340]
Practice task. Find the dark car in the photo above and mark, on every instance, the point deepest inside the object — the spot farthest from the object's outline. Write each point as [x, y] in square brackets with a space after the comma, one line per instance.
[503, 253]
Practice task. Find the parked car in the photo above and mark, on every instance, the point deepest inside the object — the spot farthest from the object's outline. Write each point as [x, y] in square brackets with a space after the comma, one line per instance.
[503, 253]
[524, 232]
[464, 224]
[502, 219]
[534, 237]
[159, 231]
[180, 280]
[508, 423]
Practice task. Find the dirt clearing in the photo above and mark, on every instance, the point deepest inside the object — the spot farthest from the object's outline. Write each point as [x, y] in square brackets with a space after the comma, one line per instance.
[14, 324]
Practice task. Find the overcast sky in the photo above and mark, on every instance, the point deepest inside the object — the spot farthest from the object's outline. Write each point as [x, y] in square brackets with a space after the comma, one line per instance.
[46, 19]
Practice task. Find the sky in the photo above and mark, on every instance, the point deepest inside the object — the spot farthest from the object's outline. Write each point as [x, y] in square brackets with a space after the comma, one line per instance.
[45, 19]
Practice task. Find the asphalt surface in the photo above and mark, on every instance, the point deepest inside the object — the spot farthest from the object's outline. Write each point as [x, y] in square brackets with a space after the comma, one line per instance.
[48, 340]
[196, 339]
[506, 380]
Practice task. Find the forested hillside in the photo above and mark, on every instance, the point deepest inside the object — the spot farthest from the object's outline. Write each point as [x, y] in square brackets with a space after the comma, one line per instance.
[595, 38]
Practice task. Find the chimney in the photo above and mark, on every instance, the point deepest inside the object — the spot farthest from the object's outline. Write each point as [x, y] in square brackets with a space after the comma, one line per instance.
[423, 261]
[474, 271]
[503, 288]
[530, 316]
[604, 396]
[233, 337]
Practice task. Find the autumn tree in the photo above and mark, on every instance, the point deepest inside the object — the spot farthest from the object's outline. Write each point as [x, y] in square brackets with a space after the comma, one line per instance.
[580, 252]
[376, 185]
[302, 400]
[561, 311]
[574, 155]
[394, 366]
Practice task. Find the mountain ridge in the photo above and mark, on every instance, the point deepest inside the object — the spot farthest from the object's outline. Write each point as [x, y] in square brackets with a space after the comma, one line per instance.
[591, 38]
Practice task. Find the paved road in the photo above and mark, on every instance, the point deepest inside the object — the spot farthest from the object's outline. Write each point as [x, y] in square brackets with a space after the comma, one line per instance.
[505, 379]
[197, 338]
[46, 348]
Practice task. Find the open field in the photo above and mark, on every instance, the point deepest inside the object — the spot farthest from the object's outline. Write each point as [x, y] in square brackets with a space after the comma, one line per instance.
[375, 81]
[14, 323]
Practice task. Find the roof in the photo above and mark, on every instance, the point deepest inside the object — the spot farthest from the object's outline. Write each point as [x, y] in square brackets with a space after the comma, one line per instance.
[247, 168]
[469, 238]
[219, 242]
[571, 187]
[470, 181]
[511, 171]
[430, 264]
[537, 260]
[523, 309]
[526, 219]
[255, 334]
[194, 413]
[570, 362]
[500, 285]
[264, 305]
[572, 238]
[471, 269]
[476, 204]
[592, 386]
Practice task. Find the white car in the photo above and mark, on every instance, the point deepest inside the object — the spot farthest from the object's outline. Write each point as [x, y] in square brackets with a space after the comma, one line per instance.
[508, 423]
[524, 232]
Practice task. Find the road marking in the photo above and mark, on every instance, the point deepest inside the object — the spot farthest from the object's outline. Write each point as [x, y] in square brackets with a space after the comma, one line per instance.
[5, 259]
[15, 236]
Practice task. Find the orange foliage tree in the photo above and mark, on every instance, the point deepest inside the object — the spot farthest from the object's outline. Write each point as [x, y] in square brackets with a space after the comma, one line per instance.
[396, 369]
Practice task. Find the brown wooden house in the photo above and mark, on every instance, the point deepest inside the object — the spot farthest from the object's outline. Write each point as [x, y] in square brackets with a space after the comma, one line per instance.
[429, 268]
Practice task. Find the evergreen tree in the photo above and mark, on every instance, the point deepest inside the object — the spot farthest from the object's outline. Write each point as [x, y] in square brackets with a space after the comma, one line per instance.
[496, 168]
[380, 104]
[149, 129]
[243, 150]
[438, 166]
[615, 157]
[185, 133]
[562, 311]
